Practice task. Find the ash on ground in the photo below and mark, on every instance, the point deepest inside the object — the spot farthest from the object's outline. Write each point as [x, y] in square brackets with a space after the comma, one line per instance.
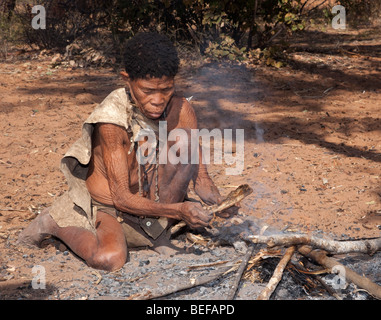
[147, 273]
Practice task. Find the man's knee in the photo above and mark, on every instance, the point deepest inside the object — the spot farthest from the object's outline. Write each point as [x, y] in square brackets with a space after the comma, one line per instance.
[109, 260]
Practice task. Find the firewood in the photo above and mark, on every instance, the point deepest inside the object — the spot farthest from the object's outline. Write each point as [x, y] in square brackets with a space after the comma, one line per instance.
[240, 272]
[232, 198]
[321, 258]
[369, 246]
[277, 276]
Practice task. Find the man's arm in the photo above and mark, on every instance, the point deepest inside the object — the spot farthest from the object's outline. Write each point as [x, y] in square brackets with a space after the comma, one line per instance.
[113, 140]
[203, 184]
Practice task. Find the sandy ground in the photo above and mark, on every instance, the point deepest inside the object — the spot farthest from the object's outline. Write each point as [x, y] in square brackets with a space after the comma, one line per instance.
[312, 153]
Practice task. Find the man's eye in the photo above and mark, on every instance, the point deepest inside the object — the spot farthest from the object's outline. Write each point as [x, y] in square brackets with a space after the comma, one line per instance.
[152, 91]
[167, 90]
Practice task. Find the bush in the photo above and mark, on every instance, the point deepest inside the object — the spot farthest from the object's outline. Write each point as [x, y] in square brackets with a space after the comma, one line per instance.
[361, 11]
[221, 28]
[66, 20]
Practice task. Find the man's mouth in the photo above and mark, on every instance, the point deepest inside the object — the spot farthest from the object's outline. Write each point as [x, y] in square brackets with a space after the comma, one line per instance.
[153, 115]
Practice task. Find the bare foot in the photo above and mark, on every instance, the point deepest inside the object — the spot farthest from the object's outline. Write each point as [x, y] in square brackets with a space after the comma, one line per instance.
[39, 228]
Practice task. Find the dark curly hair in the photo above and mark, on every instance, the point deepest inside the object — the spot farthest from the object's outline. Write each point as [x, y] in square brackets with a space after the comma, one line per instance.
[150, 54]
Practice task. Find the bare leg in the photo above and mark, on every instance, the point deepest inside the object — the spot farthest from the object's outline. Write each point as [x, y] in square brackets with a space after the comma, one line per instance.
[106, 249]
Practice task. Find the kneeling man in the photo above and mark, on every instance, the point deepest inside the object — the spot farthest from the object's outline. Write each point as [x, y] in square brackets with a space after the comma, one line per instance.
[114, 201]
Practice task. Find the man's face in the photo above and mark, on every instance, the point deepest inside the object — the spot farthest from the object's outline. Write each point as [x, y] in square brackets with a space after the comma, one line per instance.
[152, 94]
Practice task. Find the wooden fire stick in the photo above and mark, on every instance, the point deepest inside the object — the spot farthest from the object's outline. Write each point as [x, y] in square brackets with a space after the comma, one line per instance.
[321, 258]
[277, 275]
[369, 246]
[232, 198]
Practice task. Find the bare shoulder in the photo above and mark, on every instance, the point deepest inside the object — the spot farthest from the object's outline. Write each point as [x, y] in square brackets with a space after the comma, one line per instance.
[111, 134]
[187, 115]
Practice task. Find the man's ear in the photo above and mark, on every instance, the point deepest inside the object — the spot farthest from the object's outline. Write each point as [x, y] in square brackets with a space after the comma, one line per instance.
[125, 76]
[127, 79]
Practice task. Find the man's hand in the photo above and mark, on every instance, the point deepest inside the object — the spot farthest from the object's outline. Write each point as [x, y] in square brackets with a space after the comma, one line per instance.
[207, 191]
[229, 212]
[209, 194]
[195, 215]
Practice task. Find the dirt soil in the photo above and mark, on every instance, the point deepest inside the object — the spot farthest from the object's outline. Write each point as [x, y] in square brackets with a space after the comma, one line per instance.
[312, 156]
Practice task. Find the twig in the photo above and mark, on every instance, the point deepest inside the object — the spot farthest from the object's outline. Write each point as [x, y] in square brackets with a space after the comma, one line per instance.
[11, 209]
[277, 276]
[229, 186]
[369, 246]
[148, 294]
[232, 198]
[282, 27]
[241, 269]
[321, 258]
[193, 34]
[207, 265]
[317, 6]
[98, 275]
[138, 277]
[325, 92]
[315, 275]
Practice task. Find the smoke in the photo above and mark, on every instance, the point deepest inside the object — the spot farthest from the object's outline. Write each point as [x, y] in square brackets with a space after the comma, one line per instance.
[226, 97]
[259, 133]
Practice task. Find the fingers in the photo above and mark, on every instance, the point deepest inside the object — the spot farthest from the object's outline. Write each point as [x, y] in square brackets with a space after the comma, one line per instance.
[229, 212]
[200, 217]
[195, 216]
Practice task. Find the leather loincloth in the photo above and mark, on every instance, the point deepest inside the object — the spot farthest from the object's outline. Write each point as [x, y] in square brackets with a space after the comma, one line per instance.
[138, 231]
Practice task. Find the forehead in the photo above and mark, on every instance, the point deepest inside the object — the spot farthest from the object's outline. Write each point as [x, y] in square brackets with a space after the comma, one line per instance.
[153, 83]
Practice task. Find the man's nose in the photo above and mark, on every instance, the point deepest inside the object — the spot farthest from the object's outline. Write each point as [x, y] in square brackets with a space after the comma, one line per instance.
[158, 100]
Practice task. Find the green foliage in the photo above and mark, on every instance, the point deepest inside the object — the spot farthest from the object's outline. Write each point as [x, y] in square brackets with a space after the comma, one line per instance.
[225, 48]
[66, 20]
[229, 29]
[10, 32]
[195, 20]
[273, 56]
